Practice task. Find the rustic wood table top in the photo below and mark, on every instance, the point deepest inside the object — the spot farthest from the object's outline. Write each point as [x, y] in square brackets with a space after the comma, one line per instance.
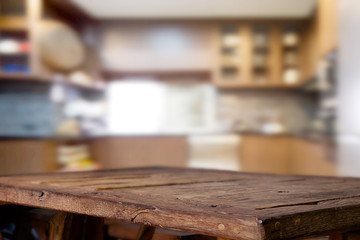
[217, 203]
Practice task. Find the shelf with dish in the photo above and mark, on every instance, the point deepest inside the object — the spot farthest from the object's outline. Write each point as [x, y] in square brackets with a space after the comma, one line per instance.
[229, 54]
[291, 68]
[15, 51]
[30, 78]
[23, 25]
[261, 55]
[15, 62]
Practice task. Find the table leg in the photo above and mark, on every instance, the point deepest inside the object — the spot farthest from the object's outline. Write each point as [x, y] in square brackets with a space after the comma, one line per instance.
[75, 227]
[336, 236]
[22, 231]
[351, 236]
[345, 236]
[145, 232]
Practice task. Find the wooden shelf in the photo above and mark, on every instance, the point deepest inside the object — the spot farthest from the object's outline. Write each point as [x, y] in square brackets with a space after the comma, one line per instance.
[291, 48]
[28, 78]
[18, 77]
[260, 67]
[86, 87]
[261, 49]
[19, 54]
[159, 75]
[286, 66]
[13, 23]
[243, 85]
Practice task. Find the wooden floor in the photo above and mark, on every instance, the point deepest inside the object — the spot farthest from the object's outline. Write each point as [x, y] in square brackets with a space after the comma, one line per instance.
[217, 203]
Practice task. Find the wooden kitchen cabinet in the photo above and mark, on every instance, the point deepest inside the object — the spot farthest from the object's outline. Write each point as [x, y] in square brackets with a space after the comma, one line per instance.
[285, 155]
[254, 64]
[120, 152]
[320, 37]
[309, 158]
[328, 26]
[147, 47]
[266, 154]
[309, 49]
[27, 156]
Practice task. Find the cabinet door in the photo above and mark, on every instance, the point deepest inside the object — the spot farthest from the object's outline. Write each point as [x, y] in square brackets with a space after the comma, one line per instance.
[120, 152]
[328, 26]
[27, 156]
[309, 158]
[267, 154]
[143, 47]
[309, 48]
[320, 37]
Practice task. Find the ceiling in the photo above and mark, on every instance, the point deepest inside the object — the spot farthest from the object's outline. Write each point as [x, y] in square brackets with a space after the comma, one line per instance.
[197, 8]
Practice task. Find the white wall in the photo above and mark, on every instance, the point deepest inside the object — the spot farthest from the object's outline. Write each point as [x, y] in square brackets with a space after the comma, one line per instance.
[349, 88]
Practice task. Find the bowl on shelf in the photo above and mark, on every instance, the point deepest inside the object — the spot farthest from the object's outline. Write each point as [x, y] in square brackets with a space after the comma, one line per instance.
[291, 39]
[291, 76]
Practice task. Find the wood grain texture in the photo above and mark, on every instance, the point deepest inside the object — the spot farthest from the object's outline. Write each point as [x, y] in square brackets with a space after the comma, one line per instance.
[216, 203]
[56, 226]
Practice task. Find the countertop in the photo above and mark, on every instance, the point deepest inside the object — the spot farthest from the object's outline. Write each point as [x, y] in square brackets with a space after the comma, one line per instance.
[315, 137]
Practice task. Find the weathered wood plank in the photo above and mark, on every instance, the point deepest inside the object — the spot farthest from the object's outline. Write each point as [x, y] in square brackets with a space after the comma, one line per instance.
[216, 203]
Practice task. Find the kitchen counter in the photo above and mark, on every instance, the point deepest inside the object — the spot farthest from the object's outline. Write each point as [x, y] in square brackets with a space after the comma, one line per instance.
[315, 137]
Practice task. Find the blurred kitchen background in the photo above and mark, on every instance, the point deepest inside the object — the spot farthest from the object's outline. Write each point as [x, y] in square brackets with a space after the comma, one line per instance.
[261, 86]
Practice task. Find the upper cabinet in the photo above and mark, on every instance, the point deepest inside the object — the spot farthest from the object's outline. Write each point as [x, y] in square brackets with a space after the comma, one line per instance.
[290, 50]
[144, 47]
[276, 54]
[258, 55]
[320, 37]
[328, 26]
[230, 50]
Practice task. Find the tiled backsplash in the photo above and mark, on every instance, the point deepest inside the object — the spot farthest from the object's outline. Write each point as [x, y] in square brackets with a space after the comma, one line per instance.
[26, 110]
[244, 109]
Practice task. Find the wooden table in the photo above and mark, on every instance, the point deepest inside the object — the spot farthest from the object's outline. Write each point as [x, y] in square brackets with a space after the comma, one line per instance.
[224, 204]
